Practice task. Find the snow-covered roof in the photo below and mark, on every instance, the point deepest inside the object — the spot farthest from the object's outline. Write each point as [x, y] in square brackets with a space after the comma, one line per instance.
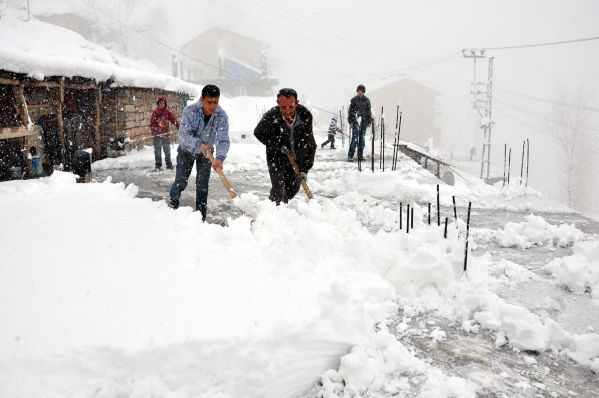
[40, 49]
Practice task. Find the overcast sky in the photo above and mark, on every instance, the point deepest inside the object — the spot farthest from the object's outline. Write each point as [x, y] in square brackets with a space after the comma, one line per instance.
[325, 48]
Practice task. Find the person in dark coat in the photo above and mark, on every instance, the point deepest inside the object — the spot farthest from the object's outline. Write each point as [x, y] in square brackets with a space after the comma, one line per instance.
[359, 118]
[50, 133]
[161, 132]
[287, 126]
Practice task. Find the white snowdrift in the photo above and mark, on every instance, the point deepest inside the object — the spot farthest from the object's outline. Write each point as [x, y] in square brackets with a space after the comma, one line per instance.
[579, 272]
[535, 231]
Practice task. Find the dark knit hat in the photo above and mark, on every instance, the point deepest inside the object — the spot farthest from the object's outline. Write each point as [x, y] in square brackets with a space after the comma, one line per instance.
[361, 88]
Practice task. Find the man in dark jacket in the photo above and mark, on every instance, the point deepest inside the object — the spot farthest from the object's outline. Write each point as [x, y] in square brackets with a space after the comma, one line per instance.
[287, 126]
[359, 118]
[161, 132]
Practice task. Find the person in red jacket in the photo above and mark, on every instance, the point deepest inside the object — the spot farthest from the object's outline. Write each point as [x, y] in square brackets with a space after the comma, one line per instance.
[159, 124]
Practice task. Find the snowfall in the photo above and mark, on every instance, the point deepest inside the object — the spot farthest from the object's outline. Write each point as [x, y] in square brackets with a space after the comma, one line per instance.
[107, 294]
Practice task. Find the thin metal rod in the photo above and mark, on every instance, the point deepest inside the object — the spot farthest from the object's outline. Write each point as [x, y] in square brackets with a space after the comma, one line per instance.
[445, 233]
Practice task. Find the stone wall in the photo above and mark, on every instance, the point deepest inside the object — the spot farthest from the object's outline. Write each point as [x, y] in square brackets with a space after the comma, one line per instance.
[126, 113]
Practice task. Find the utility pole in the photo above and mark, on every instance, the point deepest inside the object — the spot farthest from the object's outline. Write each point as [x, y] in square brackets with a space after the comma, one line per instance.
[483, 102]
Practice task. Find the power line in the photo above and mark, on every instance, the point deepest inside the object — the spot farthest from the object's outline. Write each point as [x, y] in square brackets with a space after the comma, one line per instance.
[503, 112]
[586, 108]
[554, 43]
[368, 46]
[544, 118]
[179, 51]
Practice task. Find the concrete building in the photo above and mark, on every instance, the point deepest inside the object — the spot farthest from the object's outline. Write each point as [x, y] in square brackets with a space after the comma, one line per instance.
[235, 63]
[420, 106]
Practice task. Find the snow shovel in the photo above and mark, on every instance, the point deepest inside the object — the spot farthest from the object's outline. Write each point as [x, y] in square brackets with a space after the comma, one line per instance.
[222, 176]
[297, 171]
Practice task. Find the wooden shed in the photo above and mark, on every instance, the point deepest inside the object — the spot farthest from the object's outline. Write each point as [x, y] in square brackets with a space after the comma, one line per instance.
[36, 113]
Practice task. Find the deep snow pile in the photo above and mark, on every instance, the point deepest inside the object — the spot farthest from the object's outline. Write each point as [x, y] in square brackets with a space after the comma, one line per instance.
[579, 272]
[535, 231]
[104, 293]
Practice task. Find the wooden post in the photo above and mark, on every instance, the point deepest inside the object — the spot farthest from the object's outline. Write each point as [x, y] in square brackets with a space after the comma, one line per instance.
[98, 143]
[25, 117]
[60, 121]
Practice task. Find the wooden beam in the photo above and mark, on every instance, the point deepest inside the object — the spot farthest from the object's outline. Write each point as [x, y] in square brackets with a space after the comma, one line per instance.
[10, 82]
[69, 86]
[14, 132]
[60, 122]
[98, 143]
[25, 117]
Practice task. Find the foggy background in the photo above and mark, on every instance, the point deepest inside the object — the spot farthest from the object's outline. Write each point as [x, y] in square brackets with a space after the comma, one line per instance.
[324, 49]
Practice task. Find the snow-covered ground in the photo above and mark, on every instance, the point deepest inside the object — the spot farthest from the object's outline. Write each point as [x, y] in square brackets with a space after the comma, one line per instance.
[104, 293]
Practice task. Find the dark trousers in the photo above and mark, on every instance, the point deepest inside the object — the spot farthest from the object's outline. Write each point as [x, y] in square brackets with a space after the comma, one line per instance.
[162, 143]
[331, 140]
[285, 183]
[185, 161]
[358, 131]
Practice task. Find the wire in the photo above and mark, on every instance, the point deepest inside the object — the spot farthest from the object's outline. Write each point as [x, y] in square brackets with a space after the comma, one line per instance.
[276, 9]
[503, 112]
[586, 108]
[462, 128]
[554, 43]
[528, 112]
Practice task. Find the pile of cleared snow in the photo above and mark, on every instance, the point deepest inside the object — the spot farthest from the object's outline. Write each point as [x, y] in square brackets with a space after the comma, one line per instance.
[384, 365]
[126, 288]
[580, 271]
[110, 281]
[535, 231]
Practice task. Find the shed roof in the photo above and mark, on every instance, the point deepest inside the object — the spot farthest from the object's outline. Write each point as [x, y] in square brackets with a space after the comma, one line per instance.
[40, 49]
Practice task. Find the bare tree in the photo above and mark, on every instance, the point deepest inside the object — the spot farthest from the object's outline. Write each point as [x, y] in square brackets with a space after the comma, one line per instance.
[571, 124]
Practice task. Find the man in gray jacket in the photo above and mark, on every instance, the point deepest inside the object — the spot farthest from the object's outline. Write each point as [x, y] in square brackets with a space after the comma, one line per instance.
[203, 124]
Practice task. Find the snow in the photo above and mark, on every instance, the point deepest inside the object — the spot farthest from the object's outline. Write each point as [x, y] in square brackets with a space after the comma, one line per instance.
[579, 272]
[534, 231]
[98, 286]
[49, 50]
[106, 294]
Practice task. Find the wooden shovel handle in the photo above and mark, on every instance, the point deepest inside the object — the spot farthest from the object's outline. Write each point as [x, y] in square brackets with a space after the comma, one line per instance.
[297, 171]
[222, 176]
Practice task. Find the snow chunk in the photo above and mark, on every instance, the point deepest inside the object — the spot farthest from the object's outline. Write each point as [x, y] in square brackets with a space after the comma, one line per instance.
[536, 231]
[579, 272]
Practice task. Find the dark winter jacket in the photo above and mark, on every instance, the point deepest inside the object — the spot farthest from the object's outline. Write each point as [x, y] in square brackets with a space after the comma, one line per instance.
[274, 132]
[160, 118]
[359, 107]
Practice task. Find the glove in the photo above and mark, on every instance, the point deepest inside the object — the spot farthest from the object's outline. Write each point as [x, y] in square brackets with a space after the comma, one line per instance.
[284, 150]
[303, 176]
